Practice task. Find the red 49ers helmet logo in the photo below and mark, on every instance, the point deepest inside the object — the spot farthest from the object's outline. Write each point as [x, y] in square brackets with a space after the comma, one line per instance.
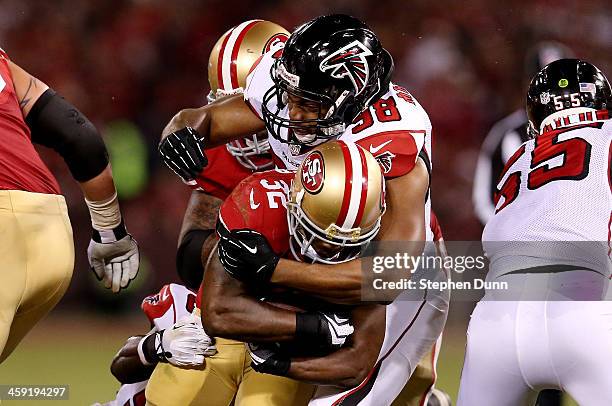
[313, 171]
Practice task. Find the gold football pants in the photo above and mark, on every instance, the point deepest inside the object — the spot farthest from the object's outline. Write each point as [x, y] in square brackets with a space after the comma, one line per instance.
[36, 257]
[227, 377]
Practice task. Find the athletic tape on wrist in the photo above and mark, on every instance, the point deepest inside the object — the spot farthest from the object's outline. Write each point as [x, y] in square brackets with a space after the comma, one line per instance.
[105, 214]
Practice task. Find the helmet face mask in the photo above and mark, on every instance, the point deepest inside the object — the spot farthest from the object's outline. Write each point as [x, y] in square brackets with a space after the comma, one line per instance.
[566, 92]
[331, 246]
[336, 61]
[252, 152]
[275, 108]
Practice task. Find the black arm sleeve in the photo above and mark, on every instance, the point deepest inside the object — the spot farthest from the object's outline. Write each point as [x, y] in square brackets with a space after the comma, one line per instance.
[57, 124]
[189, 258]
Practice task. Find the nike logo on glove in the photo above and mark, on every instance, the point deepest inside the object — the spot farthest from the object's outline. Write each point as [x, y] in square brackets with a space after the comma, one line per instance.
[252, 250]
[374, 149]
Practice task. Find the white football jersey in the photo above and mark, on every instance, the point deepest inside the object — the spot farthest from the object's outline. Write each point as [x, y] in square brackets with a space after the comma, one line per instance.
[395, 129]
[554, 202]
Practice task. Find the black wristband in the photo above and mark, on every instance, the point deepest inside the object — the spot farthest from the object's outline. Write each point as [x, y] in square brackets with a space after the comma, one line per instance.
[149, 351]
[107, 236]
[308, 327]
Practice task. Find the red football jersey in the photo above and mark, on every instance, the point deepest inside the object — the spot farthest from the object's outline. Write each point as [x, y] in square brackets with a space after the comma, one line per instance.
[222, 173]
[259, 203]
[20, 165]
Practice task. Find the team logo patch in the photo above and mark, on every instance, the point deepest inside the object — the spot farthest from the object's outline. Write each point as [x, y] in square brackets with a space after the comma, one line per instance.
[385, 160]
[275, 41]
[313, 171]
[349, 61]
[544, 97]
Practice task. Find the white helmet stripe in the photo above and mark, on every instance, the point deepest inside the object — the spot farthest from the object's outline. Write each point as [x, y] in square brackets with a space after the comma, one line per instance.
[227, 54]
[355, 198]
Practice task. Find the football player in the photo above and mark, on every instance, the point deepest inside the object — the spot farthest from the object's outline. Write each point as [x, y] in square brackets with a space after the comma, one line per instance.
[549, 240]
[332, 80]
[34, 218]
[229, 63]
[388, 340]
[505, 137]
[176, 336]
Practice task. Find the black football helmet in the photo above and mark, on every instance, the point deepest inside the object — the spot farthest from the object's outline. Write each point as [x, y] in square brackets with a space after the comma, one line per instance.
[335, 61]
[566, 84]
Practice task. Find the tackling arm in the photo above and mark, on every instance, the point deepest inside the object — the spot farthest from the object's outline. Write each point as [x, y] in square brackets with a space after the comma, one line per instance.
[404, 222]
[230, 312]
[350, 365]
[218, 123]
[126, 365]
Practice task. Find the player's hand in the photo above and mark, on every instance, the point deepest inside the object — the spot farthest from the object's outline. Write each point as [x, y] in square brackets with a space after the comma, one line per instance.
[182, 151]
[114, 257]
[183, 344]
[323, 330]
[265, 359]
[246, 255]
[337, 327]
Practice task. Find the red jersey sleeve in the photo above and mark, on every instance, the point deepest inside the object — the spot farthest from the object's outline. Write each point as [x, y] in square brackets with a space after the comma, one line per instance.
[394, 129]
[259, 203]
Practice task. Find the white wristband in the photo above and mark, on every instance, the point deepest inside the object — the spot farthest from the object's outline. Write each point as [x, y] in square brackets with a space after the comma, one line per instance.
[105, 214]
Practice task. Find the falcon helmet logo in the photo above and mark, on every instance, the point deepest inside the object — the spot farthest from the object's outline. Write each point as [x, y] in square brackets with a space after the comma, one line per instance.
[349, 61]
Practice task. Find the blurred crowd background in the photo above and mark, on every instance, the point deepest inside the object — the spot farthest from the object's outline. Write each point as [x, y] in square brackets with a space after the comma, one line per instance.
[130, 65]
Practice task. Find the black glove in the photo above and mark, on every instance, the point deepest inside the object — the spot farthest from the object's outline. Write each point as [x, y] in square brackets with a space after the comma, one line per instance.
[265, 359]
[323, 330]
[183, 152]
[246, 255]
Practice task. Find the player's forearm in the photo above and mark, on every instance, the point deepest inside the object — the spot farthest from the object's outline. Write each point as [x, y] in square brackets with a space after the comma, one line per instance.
[334, 283]
[218, 123]
[243, 318]
[126, 365]
[344, 368]
[101, 187]
[349, 366]
[196, 118]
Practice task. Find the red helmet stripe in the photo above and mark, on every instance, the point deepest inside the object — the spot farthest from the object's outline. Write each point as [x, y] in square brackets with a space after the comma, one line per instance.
[364, 187]
[348, 176]
[235, 49]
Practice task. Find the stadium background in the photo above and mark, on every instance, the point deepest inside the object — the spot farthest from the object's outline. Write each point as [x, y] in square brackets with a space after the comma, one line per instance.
[130, 65]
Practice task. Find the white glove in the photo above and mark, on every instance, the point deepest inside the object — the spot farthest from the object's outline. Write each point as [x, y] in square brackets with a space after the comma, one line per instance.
[183, 344]
[115, 262]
